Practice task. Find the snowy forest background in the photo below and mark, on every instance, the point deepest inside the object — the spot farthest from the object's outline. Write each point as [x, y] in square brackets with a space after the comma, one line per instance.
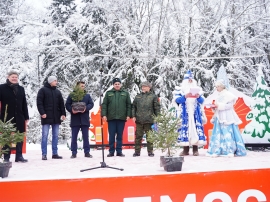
[136, 40]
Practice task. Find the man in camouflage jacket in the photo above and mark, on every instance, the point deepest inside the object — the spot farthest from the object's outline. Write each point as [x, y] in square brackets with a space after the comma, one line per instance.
[145, 106]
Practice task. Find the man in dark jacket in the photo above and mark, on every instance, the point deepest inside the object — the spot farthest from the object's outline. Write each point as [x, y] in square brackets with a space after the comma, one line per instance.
[80, 120]
[116, 109]
[145, 106]
[13, 96]
[50, 104]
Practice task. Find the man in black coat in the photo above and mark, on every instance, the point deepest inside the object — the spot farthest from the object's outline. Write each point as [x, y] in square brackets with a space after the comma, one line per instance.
[80, 120]
[50, 104]
[13, 95]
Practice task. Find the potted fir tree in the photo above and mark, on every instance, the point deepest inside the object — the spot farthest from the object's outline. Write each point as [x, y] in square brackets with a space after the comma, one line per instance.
[77, 95]
[8, 136]
[164, 137]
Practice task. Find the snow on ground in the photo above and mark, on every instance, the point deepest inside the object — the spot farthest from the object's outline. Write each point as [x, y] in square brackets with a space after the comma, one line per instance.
[66, 168]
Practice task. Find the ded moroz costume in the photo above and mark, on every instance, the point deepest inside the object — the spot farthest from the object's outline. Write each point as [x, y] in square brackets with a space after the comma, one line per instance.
[189, 108]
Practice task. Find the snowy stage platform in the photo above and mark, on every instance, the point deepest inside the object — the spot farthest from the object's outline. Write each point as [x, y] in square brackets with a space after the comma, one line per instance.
[202, 179]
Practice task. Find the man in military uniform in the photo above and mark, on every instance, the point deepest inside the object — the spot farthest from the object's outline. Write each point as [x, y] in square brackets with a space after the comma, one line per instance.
[145, 106]
[116, 109]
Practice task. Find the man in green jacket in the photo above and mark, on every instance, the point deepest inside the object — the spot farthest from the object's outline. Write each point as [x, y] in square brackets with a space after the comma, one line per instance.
[145, 106]
[116, 109]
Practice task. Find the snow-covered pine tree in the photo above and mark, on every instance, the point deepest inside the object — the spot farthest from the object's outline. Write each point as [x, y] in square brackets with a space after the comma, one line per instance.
[166, 72]
[125, 42]
[259, 116]
[65, 130]
[9, 29]
[61, 10]
[92, 36]
[34, 129]
[212, 43]
[62, 57]
[244, 30]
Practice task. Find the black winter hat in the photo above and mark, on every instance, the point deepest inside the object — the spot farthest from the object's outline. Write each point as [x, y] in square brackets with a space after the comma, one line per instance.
[116, 80]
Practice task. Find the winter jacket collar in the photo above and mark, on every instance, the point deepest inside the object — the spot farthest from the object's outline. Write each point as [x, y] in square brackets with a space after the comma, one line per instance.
[146, 93]
[49, 86]
[121, 90]
[14, 86]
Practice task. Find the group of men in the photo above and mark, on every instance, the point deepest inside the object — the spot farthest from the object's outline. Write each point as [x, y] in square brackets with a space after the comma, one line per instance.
[116, 109]
[51, 107]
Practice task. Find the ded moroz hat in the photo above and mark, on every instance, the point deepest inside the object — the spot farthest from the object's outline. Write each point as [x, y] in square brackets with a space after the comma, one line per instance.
[188, 75]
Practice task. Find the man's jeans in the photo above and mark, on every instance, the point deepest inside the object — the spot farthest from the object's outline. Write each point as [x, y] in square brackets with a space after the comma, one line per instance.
[45, 132]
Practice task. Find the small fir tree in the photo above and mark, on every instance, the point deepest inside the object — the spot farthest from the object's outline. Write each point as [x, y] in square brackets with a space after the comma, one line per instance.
[8, 134]
[164, 134]
[77, 94]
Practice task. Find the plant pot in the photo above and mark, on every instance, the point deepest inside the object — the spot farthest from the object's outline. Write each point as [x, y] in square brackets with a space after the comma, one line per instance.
[78, 106]
[171, 163]
[162, 161]
[4, 169]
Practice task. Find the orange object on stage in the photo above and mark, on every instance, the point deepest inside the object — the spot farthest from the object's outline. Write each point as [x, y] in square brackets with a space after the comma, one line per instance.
[129, 132]
[95, 121]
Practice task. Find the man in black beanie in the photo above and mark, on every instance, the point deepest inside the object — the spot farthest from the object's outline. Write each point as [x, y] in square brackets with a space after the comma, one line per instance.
[116, 109]
[13, 95]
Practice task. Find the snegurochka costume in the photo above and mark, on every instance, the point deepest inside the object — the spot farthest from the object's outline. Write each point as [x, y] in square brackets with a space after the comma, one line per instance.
[226, 139]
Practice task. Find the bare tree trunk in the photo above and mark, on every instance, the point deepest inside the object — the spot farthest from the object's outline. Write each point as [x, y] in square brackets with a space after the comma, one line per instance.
[162, 17]
[233, 28]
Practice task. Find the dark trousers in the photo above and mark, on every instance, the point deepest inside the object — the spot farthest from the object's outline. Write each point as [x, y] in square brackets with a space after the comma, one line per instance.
[116, 127]
[142, 129]
[85, 137]
[19, 146]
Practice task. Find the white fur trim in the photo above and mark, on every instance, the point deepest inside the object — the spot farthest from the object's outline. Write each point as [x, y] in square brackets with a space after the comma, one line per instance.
[193, 139]
[202, 142]
[221, 106]
[228, 96]
[183, 144]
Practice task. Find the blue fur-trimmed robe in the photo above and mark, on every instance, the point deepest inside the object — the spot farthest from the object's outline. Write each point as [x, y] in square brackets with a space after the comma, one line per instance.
[191, 130]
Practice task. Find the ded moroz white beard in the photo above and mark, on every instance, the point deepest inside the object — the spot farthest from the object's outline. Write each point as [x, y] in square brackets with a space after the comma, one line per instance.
[185, 86]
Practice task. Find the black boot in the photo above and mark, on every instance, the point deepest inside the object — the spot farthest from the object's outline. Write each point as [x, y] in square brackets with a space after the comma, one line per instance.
[185, 151]
[56, 156]
[136, 154]
[21, 159]
[195, 150]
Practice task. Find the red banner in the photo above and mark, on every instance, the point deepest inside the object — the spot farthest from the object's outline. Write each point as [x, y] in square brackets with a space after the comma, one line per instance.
[225, 186]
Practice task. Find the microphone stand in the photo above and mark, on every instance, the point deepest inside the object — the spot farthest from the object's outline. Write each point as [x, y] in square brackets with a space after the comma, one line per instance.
[103, 164]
